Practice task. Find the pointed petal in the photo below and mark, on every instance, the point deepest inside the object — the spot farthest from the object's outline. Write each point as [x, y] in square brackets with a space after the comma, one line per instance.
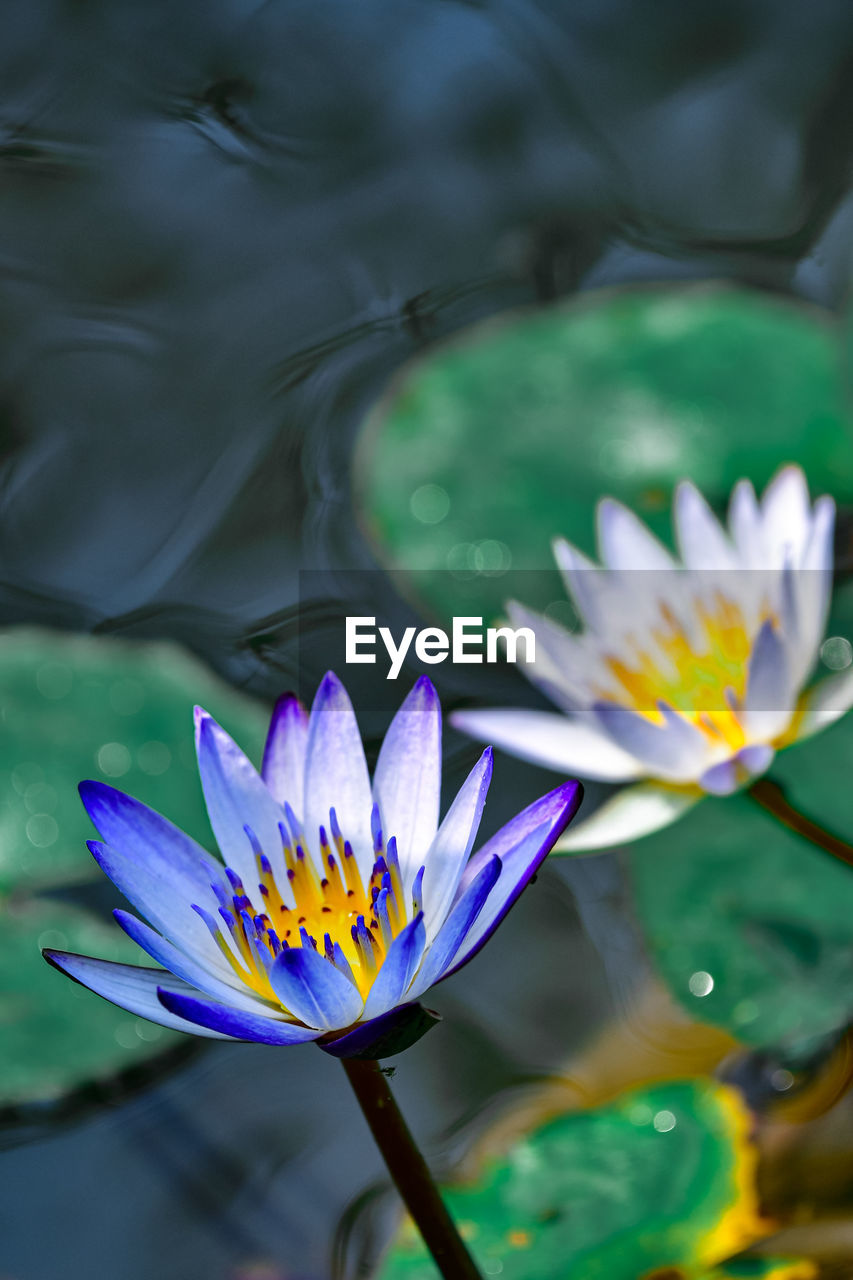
[674, 749]
[456, 927]
[568, 746]
[129, 987]
[184, 966]
[630, 814]
[821, 705]
[624, 541]
[702, 541]
[148, 886]
[408, 774]
[314, 990]
[336, 771]
[283, 769]
[385, 1036]
[236, 1023]
[745, 525]
[583, 579]
[562, 659]
[452, 845]
[522, 845]
[145, 836]
[769, 698]
[392, 981]
[236, 797]
[785, 516]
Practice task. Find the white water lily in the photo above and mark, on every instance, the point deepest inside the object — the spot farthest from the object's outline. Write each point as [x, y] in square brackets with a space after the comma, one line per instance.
[689, 673]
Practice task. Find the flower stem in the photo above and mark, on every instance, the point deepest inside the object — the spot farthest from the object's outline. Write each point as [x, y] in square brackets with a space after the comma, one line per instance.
[409, 1170]
[772, 798]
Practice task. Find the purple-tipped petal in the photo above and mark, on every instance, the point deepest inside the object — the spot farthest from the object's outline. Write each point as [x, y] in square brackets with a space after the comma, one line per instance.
[456, 927]
[131, 988]
[283, 768]
[314, 990]
[236, 797]
[336, 771]
[453, 842]
[183, 966]
[148, 885]
[407, 780]
[398, 968]
[235, 1023]
[522, 845]
[146, 837]
[385, 1036]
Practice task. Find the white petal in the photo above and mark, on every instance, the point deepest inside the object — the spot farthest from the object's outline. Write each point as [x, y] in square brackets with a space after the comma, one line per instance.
[745, 525]
[567, 746]
[633, 812]
[785, 516]
[823, 704]
[625, 542]
[702, 542]
[583, 579]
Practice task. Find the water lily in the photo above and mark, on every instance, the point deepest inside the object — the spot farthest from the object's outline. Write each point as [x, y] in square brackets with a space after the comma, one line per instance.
[689, 674]
[336, 905]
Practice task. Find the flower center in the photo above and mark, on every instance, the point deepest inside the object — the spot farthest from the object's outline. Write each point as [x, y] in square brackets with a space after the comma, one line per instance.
[327, 906]
[705, 681]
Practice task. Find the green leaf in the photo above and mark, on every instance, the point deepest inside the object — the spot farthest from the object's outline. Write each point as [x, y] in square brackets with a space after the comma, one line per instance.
[76, 707]
[661, 1178]
[750, 925]
[500, 440]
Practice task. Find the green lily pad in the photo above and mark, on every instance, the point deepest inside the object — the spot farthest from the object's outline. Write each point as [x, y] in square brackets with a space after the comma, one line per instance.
[663, 1178]
[495, 443]
[75, 707]
[764, 1269]
[750, 925]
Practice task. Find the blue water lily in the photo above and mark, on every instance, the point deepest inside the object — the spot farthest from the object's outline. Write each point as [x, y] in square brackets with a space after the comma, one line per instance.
[337, 903]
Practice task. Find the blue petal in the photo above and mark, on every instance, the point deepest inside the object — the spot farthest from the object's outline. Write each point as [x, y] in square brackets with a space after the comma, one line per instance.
[457, 926]
[236, 797]
[384, 1036]
[522, 845]
[236, 1023]
[129, 987]
[408, 774]
[147, 837]
[183, 966]
[283, 769]
[148, 885]
[314, 990]
[336, 772]
[397, 970]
